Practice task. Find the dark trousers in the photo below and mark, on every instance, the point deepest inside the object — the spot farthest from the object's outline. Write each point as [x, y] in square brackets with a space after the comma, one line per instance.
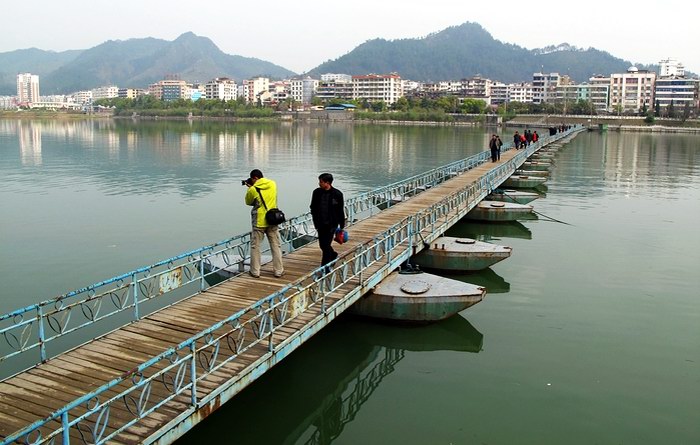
[494, 154]
[325, 238]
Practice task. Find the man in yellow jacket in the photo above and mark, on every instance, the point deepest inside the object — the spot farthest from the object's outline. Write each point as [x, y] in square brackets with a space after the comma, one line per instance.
[262, 195]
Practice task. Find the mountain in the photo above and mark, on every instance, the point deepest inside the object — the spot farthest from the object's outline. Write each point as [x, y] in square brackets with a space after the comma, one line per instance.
[31, 60]
[466, 50]
[137, 63]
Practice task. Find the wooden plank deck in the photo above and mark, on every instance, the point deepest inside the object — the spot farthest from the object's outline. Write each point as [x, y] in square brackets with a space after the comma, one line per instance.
[37, 392]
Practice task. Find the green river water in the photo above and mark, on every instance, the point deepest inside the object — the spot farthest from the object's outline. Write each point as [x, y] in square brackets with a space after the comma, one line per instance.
[589, 333]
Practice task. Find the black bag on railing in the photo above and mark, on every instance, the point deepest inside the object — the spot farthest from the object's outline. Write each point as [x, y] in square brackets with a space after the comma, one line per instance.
[274, 217]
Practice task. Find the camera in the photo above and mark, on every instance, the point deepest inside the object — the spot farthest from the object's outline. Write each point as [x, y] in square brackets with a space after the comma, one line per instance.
[248, 182]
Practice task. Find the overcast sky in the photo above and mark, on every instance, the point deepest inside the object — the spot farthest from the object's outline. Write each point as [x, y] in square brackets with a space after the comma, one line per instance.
[301, 35]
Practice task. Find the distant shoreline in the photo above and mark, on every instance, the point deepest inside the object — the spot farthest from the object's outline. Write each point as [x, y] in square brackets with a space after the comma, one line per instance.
[612, 123]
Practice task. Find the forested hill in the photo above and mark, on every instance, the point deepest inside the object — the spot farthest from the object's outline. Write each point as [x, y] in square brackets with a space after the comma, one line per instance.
[466, 50]
[131, 63]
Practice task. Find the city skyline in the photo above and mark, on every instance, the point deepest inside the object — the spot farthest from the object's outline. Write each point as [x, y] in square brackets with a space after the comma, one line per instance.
[281, 34]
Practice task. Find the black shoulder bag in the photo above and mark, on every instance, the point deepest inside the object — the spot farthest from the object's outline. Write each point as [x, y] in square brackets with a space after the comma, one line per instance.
[274, 217]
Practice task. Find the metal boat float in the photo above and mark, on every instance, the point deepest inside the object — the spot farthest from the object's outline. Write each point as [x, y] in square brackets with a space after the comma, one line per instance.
[452, 254]
[524, 182]
[498, 211]
[417, 297]
[540, 165]
[509, 195]
[540, 173]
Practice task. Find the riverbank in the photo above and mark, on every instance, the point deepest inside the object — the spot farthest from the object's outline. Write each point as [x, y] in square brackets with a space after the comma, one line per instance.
[36, 114]
[611, 123]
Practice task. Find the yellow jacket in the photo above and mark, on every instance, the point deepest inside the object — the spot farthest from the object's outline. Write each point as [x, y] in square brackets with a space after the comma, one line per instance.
[268, 188]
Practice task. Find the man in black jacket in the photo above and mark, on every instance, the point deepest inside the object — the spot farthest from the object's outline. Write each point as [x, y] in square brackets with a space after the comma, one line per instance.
[328, 212]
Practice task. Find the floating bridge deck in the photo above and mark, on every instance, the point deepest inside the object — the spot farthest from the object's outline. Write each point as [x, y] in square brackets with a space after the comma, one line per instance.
[151, 377]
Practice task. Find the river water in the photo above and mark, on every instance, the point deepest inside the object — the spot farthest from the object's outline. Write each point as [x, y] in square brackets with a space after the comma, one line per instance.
[590, 332]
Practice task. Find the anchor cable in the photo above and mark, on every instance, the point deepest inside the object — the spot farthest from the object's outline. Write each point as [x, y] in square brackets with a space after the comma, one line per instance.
[549, 218]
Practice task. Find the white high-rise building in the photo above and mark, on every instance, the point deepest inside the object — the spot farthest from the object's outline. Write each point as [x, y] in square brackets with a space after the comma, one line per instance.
[632, 91]
[82, 97]
[255, 87]
[27, 88]
[544, 87]
[221, 88]
[671, 68]
[520, 92]
[106, 92]
[384, 87]
[303, 90]
[332, 77]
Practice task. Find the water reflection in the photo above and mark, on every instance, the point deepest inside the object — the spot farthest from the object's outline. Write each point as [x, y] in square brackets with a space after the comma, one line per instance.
[126, 157]
[324, 385]
[494, 283]
[630, 162]
[489, 231]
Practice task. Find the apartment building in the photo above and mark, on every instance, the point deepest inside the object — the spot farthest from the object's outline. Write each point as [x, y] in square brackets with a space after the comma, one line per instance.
[499, 93]
[335, 88]
[673, 90]
[411, 86]
[544, 87]
[105, 92]
[27, 88]
[82, 97]
[680, 92]
[632, 91]
[600, 93]
[8, 102]
[253, 88]
[671, 68]
[221, 88]
[303, 89]
[170, 89]
[378, 87]
[130, 93]
[332, 77]
[520, 92]
[476, 87]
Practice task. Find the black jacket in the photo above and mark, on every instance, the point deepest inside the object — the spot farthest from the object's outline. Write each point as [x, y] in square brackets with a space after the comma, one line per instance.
[328, 208]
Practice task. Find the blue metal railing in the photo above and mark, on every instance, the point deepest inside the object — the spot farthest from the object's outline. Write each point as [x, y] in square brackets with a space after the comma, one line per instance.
[177, 371]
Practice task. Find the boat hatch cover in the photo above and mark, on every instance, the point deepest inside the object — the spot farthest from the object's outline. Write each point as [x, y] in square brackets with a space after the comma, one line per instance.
[465, 241]
[415, 287]
[498, 204]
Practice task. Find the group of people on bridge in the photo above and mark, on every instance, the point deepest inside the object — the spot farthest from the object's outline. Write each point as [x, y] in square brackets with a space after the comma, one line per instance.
[519, 141]
[525, 139]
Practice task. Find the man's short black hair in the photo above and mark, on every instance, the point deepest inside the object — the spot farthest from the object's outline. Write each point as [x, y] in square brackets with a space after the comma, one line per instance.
[326, 177]
[256, 174]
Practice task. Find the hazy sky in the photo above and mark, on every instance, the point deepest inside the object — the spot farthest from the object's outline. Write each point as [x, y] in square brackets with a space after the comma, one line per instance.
[301, 35]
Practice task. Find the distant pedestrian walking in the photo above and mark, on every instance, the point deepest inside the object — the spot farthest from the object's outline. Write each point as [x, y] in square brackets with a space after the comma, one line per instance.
[328, 214]
[262, 195]
[516, 140]
[493, 146]
[500, 144]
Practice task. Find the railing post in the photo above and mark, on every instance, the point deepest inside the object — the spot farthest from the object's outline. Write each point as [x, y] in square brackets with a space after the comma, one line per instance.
[193, 373]
[271, 345]
[201, 273]
[42, 336]
[66, 428]
[135, 293]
